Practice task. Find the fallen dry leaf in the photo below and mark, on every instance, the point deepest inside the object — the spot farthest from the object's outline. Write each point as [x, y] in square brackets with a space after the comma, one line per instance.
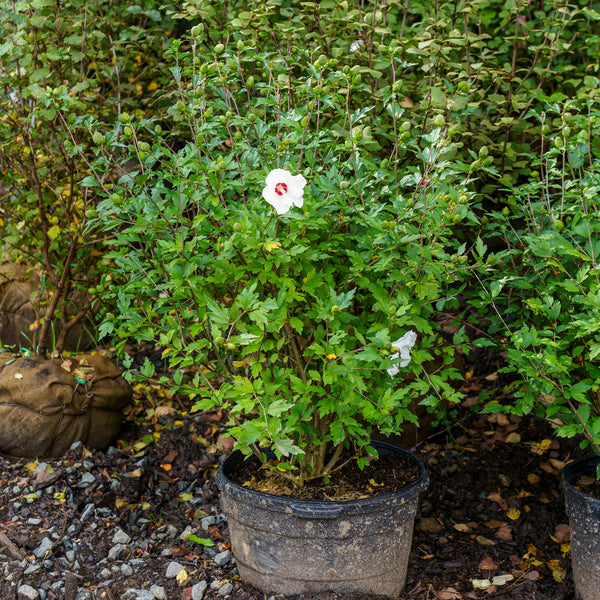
[502, 579]
[533, 479]
[513, 513]
[561, 532]
[498, 499]
[498, 418]
[487, 564]
[485, 541]
[462, 527]
[557, 464]
[430, 525]
[532, 576]
[504, 533]
[494, 524]
[449, 594]
[559, 574]
[481, 584]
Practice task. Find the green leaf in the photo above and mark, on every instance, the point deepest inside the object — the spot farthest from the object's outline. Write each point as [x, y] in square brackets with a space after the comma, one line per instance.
[198, 540]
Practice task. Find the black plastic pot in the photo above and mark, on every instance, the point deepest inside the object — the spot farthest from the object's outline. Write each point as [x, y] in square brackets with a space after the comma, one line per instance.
[583, 511]
[293, 547]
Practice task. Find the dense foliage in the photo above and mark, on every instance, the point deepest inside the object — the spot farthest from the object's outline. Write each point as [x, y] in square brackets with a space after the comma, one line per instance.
[61, 62]
[450, 159]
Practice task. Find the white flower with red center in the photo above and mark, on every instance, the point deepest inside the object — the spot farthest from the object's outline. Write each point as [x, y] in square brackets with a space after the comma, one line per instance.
[402, 347]
[283, 190]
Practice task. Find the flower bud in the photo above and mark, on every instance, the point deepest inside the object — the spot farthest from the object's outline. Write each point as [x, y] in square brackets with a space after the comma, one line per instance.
[219, 49]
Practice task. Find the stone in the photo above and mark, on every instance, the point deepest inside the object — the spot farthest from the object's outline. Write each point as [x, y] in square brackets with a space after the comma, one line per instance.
[226, 589]
[159, 593]
[115, 552]
[88, 511]
[222, 558]
[173, 569]
[26, 591]
[121, 537]
[198, 590]
[45, 545]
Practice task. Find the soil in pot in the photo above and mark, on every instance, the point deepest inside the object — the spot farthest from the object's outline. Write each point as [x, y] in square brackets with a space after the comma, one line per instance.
[389, 473]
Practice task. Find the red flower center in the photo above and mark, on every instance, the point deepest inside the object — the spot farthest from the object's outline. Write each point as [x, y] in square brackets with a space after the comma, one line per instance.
[281, 188]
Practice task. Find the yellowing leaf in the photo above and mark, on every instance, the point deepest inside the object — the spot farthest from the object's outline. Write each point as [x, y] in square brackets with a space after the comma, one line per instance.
[53, 232]
[186, 497]
[559, 574]
[270, 246]
[485, 541]
[332, 356]
[513, 513]
[374, 483]
[182, 577]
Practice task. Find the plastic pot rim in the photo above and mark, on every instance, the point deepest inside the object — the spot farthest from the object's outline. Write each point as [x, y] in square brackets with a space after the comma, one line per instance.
[256, 497]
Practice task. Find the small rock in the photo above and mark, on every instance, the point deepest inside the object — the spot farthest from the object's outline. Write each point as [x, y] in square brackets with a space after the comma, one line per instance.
[206, 522]
[121, 537]
[172, 532]
[88, 511]
[32, 569]
[86, 480]
[226, 589]
[115, 552]
[26, 591]
[222, 558]
[158, 593]
[45, 545]
[198, 590]
[138, 594]
[189, 530]
[127, 570]
[172, 569]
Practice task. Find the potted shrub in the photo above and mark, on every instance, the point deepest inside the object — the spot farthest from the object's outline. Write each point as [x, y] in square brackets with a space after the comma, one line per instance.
[289, 248]
[544, 292]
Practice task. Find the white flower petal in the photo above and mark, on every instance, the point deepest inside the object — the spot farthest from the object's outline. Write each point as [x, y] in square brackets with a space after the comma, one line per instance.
[403, 345]
[283, 190]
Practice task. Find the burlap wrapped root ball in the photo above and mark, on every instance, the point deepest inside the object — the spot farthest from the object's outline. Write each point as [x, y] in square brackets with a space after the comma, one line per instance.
[48, 404]
[18, 284]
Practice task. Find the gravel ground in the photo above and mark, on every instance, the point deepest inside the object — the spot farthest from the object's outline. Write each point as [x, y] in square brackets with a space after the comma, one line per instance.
[131, 522]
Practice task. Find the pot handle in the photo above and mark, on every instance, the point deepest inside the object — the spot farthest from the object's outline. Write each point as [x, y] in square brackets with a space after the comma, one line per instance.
[315, 512]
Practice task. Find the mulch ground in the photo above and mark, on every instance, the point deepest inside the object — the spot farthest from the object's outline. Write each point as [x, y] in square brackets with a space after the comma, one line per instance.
[491, 524]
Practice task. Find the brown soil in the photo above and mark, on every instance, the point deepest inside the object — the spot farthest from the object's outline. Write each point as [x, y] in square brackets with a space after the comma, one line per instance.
[389, 473]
